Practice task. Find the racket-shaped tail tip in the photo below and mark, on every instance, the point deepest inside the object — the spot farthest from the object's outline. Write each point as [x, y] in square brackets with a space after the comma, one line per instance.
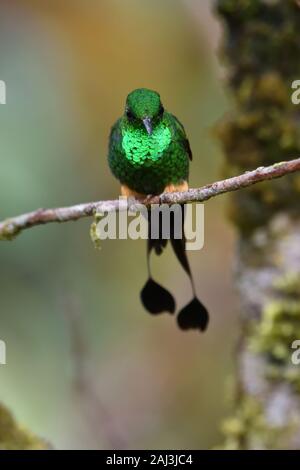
[193, 316]
[156, 299]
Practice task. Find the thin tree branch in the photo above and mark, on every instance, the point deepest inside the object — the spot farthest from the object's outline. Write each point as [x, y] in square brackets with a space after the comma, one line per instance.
[10, 228]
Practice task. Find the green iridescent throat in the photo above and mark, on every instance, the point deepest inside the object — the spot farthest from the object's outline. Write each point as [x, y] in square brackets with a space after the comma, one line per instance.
[139, 146]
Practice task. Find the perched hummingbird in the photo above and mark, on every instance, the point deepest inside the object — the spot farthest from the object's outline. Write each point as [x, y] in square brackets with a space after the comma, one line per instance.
[149, 154]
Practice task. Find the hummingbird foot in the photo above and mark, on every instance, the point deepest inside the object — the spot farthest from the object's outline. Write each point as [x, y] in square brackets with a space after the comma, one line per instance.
[177, 188]
[130, 193]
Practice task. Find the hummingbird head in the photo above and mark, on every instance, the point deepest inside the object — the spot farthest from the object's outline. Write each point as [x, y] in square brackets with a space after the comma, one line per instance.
[143, 107]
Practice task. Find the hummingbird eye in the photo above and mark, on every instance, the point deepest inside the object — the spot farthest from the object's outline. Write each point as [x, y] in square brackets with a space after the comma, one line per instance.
[129, 114]
[161, 110]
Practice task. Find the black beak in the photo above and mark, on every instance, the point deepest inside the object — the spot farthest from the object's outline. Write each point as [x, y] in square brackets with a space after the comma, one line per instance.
[148, 125]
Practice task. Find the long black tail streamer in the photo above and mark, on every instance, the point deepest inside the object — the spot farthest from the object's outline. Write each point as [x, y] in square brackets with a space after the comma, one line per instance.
[155, 298]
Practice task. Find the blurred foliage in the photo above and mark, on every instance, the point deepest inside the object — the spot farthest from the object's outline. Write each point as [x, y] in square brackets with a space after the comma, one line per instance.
[13, 437]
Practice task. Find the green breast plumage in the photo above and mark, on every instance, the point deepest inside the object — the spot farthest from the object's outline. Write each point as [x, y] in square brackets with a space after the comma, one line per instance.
[143, 149]
[148, 163]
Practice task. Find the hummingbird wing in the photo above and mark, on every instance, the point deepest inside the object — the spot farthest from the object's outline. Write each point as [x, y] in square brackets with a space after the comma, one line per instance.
[115, 151]
[181, 136]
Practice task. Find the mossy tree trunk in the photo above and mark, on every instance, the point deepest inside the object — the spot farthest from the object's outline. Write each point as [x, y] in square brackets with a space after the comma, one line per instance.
[262, 50]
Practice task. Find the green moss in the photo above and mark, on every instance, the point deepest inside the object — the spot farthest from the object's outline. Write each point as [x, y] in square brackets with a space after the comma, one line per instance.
[272, 337]
[278, 328]
[286, 372]
[248, 428]
[289, 284]
[14, 437]
[9, 231]
[236, 428]
[239, 9]
[94, 235]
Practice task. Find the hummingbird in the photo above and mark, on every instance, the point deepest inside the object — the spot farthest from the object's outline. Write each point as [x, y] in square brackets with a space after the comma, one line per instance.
[149, 154]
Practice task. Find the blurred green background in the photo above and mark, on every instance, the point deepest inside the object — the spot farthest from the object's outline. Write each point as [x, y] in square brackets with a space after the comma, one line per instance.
[87, 367]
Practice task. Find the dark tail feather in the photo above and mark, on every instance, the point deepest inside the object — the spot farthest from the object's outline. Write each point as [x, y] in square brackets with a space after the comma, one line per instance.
[193, 315]
[155, 298]
[156, 244]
